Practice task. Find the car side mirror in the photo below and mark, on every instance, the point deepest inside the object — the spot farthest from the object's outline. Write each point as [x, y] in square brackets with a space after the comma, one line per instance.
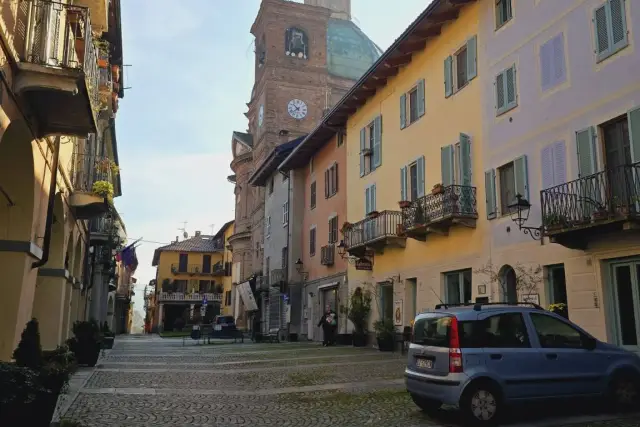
[589, 343]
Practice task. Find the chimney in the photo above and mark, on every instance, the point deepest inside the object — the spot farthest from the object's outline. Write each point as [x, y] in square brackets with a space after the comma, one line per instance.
[176, 239]
[198, 233]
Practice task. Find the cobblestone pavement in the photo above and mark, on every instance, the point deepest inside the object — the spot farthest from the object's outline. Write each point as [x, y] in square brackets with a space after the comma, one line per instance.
[147, 381]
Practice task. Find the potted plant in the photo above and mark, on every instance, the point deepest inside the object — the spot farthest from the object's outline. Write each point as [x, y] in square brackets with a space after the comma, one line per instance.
[560, 309]
[404, 204]
[346, 226]
[373, 215]
[554, 221]
[600, 214]
[86, 343]
[115, 71]
[419, 219]
[103, 189]
[437, 189]
[107, 336]
[357, 310]
[385, 334]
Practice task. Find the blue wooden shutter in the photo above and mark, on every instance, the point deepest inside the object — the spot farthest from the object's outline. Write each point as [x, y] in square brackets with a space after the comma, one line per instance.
[490, 191]
[465, 160]
[587, 158]
[420, 167]
[446, 164]
[363, 141]
[403, 111]
[546, 163]
[559, 163]
[448, 76]
[633, 118]
[373, 197]
[618, 24]
[472, 58]
[546, 65]
[559, 67]
[601, 30]
[510, 87]
[421, 98]
[501, 96]
[367, 200]
[377, 142]
[521, 176]
[403, 184]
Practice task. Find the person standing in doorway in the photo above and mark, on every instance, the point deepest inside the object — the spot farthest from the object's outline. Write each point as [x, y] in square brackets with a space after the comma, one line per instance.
[328, 322]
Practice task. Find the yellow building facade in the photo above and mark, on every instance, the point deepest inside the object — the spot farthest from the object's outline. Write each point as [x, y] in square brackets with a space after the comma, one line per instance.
[227, 280]
[414, 175]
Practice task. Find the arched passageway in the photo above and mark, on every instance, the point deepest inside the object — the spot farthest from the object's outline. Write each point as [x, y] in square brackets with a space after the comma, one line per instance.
[17, 247]
[508, 284]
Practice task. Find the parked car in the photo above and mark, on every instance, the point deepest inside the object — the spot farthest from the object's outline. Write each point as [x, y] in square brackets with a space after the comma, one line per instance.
[481, 357]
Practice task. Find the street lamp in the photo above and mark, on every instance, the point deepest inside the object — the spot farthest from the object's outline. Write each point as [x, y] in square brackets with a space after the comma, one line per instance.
[303, 274]
[342, 251]
[519, 211]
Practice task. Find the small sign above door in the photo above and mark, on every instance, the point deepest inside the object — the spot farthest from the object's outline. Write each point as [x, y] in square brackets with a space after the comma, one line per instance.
[364, 264]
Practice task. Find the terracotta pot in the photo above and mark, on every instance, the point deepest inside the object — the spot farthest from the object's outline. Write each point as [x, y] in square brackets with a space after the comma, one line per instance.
[437, 189]
[404, 204]
[373, 215]
[102, 63]
[115, 71]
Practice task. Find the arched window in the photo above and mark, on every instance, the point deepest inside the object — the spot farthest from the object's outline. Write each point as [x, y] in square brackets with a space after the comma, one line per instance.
[261, 52]
[508, 284]
[296, 43]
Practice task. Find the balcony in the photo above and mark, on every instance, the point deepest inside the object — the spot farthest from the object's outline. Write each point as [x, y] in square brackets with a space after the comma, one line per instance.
[194, 297]
[580, 211]
[102, 230]
[194, 269]
[375, 232]
[57, 77]
[92, 178]
[438, 212]
[262, 284]
[278, 276]
[99, 13]
[328, 254]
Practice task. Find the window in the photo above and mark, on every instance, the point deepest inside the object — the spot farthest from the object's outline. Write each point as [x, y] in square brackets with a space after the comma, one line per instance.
[455, 162]
[504, 12]
[268, 221]
[183, 262]
[370, 199]
[512, 180]
[271, 185]
[552, 63]
[386, 301]
[507, 187]
[414, 101]
[285, 259]
[296, 43]
[313, 195]
[610, 28]
[502, 331]
[554, 333]
[340, 137]
[371, 146]
[227, 298]
[333, 229]
[557, 284]
[331, 181]
[506, 92]
[285, 213]
[461, 67]
[412, 180]
[312, 241]
[458, 287]
[553, 164]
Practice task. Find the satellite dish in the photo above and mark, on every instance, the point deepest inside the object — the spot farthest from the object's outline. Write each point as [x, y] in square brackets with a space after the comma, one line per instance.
[185, 235]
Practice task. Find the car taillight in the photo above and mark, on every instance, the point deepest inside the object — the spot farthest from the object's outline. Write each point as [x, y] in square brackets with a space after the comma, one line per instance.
[455, 354]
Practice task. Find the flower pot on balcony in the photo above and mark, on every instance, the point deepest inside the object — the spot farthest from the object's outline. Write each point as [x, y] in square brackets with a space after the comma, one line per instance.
[400, 229]
[437, 189]
[404, 204]
[600, 215]
[103, 63]
[115, 71]
[346, 226]
[373, 215]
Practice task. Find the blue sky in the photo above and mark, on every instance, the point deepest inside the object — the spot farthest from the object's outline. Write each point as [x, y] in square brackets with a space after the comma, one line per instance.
[190, 76]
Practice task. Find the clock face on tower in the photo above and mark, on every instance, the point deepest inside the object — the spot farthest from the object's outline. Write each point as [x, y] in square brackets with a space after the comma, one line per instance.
[297, 109]
[260, 115]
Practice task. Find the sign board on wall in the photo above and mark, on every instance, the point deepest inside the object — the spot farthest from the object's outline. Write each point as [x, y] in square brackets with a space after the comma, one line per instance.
[247, 296]
[531, 298]
[397, 312]
[364, 264]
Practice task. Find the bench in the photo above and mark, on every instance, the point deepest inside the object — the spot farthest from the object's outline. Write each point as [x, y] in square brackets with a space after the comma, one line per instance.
[197, 334]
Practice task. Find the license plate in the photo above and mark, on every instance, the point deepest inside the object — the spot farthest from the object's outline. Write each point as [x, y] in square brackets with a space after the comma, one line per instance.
[424, 363]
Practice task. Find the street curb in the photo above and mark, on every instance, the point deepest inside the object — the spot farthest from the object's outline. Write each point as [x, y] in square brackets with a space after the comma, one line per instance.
[77, 382]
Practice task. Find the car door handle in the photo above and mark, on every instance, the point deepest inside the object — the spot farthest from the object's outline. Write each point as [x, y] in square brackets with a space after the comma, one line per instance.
[552, 356]
[495, 356]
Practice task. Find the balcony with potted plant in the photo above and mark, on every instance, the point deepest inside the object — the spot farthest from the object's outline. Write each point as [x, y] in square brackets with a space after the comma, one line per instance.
[93, 180]
[377, 231]
[437, 212]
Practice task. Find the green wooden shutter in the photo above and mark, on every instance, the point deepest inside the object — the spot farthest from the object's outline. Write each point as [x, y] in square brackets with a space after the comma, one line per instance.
[472, 58]
[373, 197]
[511, 87]
[465, 160]
[601, 30]
[521, 176]
[446, 164]
[633, 118]
[501, 98]
[490, 190]
[363, 141]
[618, 24]
[420, 167]
[367, 200]
[377, 142]
[403, 111]
[448, 76]
[421, 98]
[403, 184]
[587, 158]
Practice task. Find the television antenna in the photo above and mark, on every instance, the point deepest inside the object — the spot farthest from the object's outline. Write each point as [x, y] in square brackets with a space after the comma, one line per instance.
[184, 229]
[212, 228]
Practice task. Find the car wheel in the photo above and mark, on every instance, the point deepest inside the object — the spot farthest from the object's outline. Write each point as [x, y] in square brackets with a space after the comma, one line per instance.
[624, 391]
[481, 404]
[428, 406]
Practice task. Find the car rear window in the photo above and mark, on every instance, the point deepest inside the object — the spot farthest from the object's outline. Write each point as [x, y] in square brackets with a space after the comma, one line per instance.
[435, 331]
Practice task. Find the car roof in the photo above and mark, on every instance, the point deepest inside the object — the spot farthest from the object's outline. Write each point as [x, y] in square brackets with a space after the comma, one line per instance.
[471, 311]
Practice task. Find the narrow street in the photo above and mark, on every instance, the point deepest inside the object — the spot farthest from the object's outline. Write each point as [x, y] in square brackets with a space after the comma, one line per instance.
[151, 381]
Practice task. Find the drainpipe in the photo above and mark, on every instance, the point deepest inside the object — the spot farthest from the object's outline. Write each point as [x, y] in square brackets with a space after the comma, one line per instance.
[52, 198]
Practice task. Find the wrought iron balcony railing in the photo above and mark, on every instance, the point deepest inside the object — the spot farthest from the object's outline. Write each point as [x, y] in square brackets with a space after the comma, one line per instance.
[328, 254]
[219, 269]
[375, 227]
[59, 35]
[194, 269]
[277, 276]
[87, 170]
[604, 197]
[191, 297]
[452, 202]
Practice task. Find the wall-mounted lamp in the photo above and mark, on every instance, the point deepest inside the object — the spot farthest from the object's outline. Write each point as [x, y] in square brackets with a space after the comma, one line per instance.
[342, 251]
[520, 210]
[303, 274]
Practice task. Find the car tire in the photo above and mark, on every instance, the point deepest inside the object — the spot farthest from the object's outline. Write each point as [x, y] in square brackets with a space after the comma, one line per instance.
[624, 391]
[481, 404]
[428, 406]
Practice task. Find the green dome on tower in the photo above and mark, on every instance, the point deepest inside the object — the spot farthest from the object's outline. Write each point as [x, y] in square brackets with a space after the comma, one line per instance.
[350, 52]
